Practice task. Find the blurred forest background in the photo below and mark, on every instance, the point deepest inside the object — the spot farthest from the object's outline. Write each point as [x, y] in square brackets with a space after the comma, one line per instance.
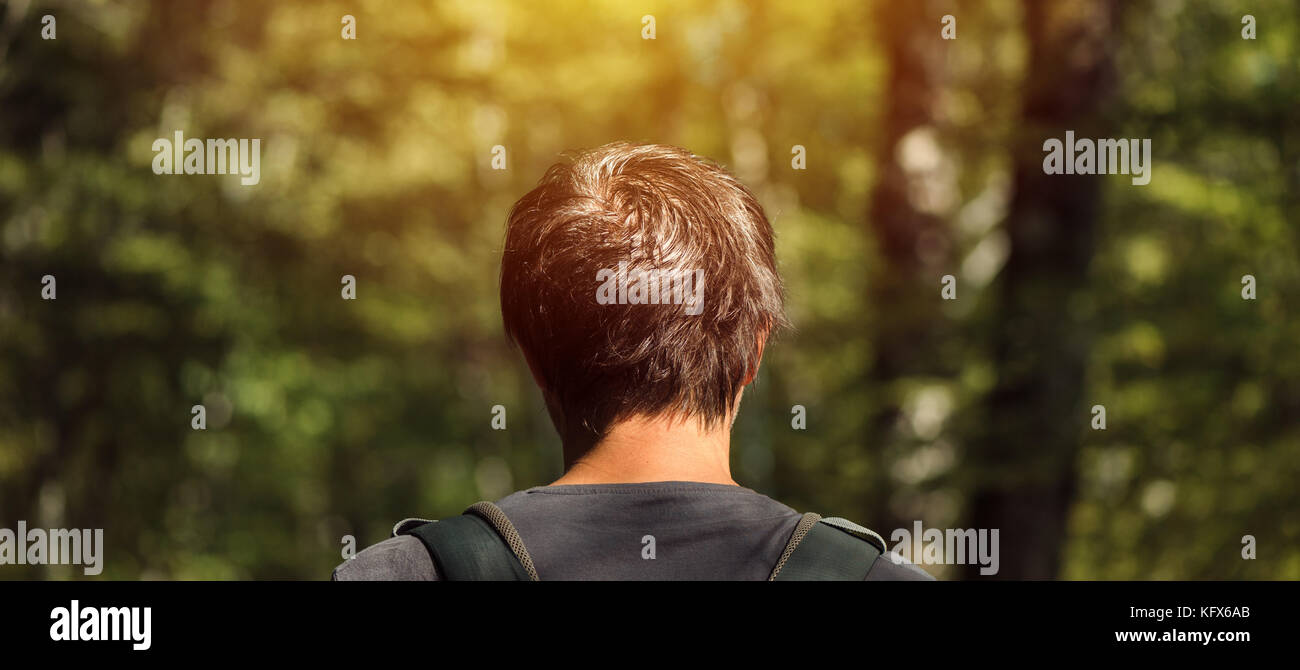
[329, 418]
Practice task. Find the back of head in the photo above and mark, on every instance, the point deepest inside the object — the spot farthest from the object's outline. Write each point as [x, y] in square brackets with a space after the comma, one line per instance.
[639, 280]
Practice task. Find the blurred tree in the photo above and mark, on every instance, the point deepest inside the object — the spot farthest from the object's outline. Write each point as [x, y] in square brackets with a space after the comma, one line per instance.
[1023, 461]
[913, 238]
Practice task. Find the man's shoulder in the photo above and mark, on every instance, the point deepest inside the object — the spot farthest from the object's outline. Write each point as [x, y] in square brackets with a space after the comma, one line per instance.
[399, 559]
[889, 568]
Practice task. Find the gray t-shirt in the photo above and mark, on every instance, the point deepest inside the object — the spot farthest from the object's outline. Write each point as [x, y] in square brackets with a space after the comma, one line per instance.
[650, 531]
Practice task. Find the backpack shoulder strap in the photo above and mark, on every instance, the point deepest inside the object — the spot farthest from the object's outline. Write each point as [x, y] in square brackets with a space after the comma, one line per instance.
[479, 545]
[831, 549]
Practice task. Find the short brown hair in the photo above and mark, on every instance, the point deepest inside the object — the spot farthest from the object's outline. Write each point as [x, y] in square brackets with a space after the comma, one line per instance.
[655, 208]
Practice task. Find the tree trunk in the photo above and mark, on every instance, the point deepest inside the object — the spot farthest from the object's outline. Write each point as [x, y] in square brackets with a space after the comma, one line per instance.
[914, 244]
[1022, 462]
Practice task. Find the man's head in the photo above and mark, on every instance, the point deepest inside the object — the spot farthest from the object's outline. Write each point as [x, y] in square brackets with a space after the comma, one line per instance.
[640, 281]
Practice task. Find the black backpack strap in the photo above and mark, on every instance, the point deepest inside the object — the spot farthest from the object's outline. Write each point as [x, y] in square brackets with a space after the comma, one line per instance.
[831, 549]
[479, 545]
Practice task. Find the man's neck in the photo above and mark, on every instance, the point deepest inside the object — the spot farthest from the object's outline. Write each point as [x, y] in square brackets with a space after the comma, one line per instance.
[654, 450]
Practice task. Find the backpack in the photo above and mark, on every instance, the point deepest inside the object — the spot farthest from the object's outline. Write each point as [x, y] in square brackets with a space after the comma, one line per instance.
[482, 545]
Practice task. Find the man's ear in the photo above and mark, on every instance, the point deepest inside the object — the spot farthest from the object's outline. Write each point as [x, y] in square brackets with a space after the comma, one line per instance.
[758, 360]
[555, 411]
